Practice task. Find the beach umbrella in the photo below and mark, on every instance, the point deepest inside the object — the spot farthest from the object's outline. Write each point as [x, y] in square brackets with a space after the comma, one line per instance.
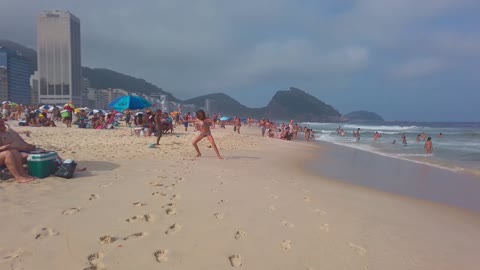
[4, 102]
[138, 113]
[45, 107]
[129, 102]
[224, 118]
[94, 111]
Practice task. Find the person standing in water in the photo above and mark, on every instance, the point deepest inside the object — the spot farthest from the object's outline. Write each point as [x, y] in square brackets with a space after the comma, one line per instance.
[204, 128]
[428, 146]
[404, 139]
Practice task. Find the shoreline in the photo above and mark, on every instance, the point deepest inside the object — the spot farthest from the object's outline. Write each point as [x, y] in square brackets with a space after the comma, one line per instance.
[456, 189]
[259, 203]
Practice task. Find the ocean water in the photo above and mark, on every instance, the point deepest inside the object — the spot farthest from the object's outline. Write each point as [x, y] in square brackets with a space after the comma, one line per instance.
[458, 150]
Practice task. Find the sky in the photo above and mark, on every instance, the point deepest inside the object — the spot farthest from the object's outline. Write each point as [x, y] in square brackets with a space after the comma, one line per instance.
[416, 60]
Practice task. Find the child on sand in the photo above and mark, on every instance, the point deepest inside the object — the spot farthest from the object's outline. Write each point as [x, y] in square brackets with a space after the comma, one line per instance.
[204, 128]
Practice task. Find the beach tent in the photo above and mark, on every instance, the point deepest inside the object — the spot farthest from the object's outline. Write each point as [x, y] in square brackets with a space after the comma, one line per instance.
[129, 102]
[225, 118]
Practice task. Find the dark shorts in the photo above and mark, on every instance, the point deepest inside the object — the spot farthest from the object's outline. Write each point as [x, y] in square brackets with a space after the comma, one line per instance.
[185, 124]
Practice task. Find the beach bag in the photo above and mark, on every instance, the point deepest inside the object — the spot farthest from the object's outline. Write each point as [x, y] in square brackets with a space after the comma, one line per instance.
[66, 169]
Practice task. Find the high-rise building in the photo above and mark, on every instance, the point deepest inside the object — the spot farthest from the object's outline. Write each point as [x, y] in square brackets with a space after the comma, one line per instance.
[14, 77]
[3, 83]
[59, 58]
[35, 87]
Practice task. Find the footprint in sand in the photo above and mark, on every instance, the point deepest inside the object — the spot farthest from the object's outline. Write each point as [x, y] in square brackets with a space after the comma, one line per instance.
[359, 249]
[214, 190]
[161, 255]
[171, 211]
[325, 227]
[287, 224]
[134, 236]
[178, 179]
[175, 197]
[273, 196]
[45, 233]
[222, 202]
[107, 239]
[173, 229]
[159, 193]
[219, 215]
[240, 234]
[139, 204]
[146, 217]
[319, 212]
[70, 211]
[10, 255]
[93, 197]
[105, 185]
[95, 261]
[272, 207]
[286, 244]
[235, 260]
[169, 205]
[156, 184]
[306, 199]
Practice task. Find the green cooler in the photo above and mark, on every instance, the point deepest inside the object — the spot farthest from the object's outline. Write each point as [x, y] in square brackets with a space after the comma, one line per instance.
[41, 165]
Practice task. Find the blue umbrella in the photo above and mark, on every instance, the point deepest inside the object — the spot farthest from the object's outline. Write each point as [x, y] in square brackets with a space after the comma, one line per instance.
[224, 118]
[129, 102]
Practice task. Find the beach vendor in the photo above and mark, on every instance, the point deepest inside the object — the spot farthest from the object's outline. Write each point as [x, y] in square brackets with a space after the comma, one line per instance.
[70, 108]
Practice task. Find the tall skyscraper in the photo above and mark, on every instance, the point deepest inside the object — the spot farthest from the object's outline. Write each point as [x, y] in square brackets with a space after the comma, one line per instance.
[59, 58]
[14, 77]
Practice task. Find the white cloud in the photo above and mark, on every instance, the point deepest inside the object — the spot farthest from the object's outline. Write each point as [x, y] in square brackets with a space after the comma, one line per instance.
[420, 67]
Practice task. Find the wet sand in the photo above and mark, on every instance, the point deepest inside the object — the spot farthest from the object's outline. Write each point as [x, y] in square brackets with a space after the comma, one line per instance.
[398, 176]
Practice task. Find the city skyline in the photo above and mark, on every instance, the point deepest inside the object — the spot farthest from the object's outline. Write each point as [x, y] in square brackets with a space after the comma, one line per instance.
[404, 60]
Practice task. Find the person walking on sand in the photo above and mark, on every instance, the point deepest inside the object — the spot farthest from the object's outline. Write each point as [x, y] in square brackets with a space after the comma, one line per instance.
[158, 124]
[204, 124]
[186, 120]
[428, 146]
[238, 124]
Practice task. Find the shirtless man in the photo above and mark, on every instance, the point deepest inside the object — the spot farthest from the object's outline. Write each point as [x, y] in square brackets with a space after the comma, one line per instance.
[13, 140]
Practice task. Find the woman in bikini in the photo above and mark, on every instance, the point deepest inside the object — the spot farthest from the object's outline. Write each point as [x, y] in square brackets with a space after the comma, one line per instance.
[203, 123]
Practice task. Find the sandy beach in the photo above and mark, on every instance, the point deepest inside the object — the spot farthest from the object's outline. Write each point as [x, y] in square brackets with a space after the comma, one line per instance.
[260, 208]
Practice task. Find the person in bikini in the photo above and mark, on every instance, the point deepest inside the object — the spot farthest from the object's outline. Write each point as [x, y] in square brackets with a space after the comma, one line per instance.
[204, 124]
[158, 120]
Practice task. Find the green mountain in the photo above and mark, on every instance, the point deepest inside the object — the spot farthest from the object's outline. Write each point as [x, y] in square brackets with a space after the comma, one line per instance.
[285, 105]
[363, 116]
[222, 103]
[102, 78]
[297, 105]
